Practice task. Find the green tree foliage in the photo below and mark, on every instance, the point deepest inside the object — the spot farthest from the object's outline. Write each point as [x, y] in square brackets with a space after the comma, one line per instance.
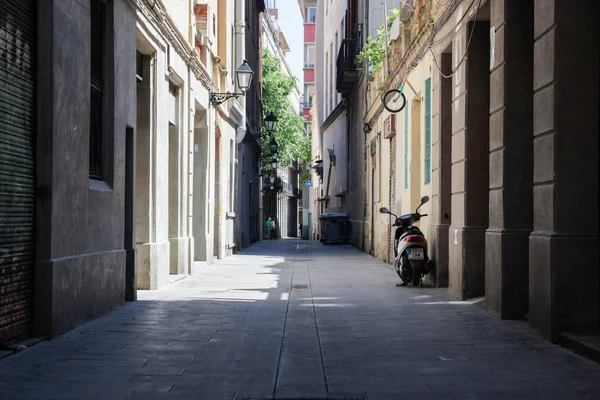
[277, 86]
[373, 52]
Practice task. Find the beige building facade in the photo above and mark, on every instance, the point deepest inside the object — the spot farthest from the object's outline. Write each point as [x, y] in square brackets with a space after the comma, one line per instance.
[489, 135]
[166, 97]
[186, 152]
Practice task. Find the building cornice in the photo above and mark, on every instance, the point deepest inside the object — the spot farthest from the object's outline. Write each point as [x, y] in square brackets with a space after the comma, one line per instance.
[333, 115]
[158, 16]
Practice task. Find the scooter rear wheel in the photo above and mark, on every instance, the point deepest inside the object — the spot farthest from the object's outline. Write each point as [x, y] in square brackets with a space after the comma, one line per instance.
[416, 277]
[416, 280]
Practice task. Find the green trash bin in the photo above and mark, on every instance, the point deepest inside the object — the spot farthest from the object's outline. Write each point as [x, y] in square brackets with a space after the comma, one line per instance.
[335, 228]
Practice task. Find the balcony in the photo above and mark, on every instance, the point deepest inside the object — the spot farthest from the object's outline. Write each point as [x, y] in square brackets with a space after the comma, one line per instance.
[292, 191]
[347, 70]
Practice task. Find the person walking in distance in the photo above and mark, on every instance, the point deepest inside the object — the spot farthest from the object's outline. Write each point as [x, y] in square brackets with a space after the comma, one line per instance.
[273, 230]
[268, 228]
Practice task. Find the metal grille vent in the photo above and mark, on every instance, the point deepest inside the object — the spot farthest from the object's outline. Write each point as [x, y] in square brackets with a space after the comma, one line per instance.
[300, 286]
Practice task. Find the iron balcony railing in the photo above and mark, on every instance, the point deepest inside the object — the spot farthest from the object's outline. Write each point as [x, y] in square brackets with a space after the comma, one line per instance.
[347, 55]
[297, 192]
[291, 191]
[348, 72]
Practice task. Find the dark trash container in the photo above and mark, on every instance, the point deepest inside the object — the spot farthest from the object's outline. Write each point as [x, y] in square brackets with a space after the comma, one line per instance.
[335, 228]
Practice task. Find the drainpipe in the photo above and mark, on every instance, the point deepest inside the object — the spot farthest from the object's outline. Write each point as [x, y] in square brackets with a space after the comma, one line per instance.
[240, 54]
[387, 41]
[239, 44]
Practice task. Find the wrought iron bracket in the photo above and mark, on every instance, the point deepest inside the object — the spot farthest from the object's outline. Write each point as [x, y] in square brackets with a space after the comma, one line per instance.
[219, 98]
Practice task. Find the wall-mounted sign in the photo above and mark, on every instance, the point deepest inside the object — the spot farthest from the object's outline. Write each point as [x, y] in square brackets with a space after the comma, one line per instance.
[308, 183]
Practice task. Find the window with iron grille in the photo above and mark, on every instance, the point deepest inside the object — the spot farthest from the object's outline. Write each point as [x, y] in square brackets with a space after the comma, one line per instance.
[428, 131]
[98, 20]
[406, 146]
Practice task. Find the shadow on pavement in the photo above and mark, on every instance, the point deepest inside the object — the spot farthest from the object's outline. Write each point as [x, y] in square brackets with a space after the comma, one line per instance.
[296, 319]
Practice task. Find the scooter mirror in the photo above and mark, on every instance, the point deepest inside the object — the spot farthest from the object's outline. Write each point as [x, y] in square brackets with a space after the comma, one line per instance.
[384, 210]
[424, 199]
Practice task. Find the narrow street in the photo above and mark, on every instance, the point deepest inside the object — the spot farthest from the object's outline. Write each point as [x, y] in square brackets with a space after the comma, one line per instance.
[298, 320]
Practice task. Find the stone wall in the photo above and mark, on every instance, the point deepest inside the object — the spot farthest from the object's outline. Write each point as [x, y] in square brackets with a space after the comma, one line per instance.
[80, 274]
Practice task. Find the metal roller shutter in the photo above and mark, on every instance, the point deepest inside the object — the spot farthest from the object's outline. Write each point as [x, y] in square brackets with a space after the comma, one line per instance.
[17, 166]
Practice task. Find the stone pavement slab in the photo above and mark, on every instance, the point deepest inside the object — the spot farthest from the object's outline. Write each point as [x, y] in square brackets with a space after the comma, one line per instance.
[296, 319]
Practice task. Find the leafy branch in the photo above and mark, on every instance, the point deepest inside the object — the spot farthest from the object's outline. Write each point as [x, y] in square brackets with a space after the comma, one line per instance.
[277, 87]
[373, 52]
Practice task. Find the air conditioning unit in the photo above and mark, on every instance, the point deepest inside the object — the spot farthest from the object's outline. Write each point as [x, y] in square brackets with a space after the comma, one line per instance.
[389, 128]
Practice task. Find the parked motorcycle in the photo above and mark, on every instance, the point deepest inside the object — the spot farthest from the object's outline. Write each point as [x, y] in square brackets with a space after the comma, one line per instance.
[410, 247]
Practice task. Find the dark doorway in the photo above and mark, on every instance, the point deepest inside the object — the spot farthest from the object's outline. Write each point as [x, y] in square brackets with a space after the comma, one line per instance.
[129, 245]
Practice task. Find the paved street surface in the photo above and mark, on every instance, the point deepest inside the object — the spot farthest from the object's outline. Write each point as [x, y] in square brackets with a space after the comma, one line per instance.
[295, 319]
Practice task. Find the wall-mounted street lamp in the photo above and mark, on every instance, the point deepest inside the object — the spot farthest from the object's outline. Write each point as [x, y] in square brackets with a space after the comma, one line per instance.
[273, 144]
[274, 161]
[271, 123]
[244, 77]
[332, 157]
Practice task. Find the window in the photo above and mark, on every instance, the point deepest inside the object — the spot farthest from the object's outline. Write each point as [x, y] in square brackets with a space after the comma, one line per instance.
[231, 172]
[331, 85]
[172, 104]
[308, 94]
[309, 56]
[214, 24]
[98, 22]
[232, 67]
[139, 66]
[326, 84]
[406, 145]
[342, 36]
[337, 51]
[311, 15]
[308, 128]
[428, 131]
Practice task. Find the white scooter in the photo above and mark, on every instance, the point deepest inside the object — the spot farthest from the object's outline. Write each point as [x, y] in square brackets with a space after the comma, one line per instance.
[410, 247]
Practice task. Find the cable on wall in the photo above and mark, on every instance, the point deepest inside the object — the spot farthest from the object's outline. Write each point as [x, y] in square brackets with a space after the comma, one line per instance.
[464, 57]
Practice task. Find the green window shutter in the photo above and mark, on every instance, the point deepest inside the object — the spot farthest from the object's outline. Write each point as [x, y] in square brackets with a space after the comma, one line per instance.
[406, 146]
[428, 131]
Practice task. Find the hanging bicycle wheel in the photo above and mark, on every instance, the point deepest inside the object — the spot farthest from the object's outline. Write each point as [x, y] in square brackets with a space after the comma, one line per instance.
[394, 100]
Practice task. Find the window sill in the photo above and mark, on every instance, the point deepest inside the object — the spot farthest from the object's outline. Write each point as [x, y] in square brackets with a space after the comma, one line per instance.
[99, 186]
